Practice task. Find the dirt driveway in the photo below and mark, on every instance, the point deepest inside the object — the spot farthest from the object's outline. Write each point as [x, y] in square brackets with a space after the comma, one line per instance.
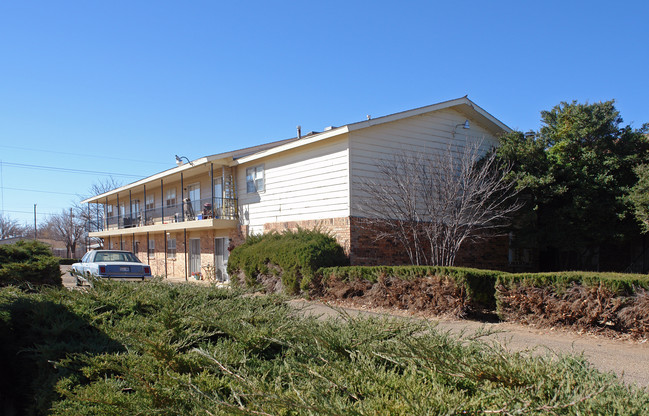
[628, 359]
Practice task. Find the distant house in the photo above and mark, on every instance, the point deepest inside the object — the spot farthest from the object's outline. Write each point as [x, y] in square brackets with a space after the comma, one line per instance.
[185, 218]
[58, 247]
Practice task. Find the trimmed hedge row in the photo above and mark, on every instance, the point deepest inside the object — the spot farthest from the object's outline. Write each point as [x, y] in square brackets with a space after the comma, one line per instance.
[582, 300]
[479, 285]
[619, 283]
[28, 262]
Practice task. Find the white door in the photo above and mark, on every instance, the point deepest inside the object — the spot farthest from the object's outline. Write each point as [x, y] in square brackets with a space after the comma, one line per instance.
[194, 194]
[221, 259]
[194, 255]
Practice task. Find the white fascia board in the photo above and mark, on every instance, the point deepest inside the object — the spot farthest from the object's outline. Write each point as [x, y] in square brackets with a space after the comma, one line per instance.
[292, 145]
[470, 106]
[463, 101]
[169, 172]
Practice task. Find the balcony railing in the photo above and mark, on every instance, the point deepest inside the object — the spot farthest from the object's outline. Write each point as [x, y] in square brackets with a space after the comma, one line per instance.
[189, 210]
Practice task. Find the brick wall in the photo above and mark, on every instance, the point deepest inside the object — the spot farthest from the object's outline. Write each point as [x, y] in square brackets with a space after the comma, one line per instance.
[366, 250]
[336, 227]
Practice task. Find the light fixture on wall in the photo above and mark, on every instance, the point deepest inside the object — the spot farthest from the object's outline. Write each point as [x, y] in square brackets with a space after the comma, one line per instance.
[179, 160]
[464, 125]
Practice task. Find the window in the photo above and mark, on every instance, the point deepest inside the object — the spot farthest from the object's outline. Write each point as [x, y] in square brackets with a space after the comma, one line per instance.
[135, 208]
[255, 179]
[150, 202]
[109, 210]
[151, 249]
[171, 197]
[171, 248]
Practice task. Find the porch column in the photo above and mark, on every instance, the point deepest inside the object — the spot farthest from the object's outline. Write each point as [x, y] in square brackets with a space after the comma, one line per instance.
[144, 217]
[147, 249]
[182, 197]
[212, 186]
[162, 202]
[185, 237]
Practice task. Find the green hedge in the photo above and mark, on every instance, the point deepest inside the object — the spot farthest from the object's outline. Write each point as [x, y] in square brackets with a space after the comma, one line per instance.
[620, 283]
[63, 260]
[28, 262]
[479, 284]
[297, 254]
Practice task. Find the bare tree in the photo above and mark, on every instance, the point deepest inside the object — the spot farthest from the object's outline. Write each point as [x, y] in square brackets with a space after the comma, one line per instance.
[432, 203]
[10, 227]
[67, 227]
[93, 214]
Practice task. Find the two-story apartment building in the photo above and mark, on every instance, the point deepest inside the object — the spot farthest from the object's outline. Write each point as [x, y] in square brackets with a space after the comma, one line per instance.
[184, 219]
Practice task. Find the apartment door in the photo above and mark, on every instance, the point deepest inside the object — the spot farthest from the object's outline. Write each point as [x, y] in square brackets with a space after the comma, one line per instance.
[221, 259]
[194, 194]
[194, 255]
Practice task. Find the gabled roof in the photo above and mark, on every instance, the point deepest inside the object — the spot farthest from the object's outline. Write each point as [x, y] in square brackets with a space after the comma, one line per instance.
[236, 157]
[463, 104]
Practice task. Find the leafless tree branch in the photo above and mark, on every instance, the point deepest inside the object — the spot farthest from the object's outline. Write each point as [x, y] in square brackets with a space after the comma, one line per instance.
[432, 203]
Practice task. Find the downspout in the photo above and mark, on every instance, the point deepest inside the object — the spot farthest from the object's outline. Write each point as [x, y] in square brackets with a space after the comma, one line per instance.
[164, 235]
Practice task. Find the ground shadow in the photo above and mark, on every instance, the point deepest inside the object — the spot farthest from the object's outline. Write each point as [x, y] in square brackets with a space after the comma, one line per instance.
[35, 335]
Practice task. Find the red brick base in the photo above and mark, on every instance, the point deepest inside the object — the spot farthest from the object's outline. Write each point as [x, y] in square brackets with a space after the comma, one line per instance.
[363, 249]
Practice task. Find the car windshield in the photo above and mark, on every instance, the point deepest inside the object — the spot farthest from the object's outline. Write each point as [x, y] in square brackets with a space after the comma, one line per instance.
[116, 257]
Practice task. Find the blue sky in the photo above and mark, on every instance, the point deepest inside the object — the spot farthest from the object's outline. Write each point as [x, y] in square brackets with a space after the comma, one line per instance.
[123, 86]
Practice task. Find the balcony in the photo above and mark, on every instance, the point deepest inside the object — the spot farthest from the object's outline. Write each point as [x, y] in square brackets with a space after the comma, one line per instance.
[202, 213]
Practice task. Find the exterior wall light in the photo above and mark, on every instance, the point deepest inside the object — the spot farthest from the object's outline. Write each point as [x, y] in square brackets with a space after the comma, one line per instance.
[179, 160]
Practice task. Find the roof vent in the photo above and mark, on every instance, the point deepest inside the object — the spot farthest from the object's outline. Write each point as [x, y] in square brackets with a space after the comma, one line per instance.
[329, 128]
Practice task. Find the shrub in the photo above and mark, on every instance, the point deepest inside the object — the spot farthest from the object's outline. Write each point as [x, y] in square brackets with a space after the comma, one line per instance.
[479, 285]
[298, 254]
[601, 302]
[154, 348]
[28, 262]
[618, 283]
[63, 260]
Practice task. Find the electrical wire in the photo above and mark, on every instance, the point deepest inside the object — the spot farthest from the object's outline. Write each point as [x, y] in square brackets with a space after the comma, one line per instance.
[68, 170]
[84, 155]
[37, 190]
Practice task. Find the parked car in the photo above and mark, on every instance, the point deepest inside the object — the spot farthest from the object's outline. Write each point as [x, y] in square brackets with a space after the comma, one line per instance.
[111, 264]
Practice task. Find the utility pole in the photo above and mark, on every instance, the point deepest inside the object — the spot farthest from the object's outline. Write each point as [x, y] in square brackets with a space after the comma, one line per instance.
[35, 231]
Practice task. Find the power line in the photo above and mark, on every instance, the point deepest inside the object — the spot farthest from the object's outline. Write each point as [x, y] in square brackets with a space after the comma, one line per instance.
[68, 170]
[84, 155]
[28, 212]
[36, 190]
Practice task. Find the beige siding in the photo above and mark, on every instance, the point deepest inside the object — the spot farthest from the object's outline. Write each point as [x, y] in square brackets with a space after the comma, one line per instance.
[303, 184]
[426, 133]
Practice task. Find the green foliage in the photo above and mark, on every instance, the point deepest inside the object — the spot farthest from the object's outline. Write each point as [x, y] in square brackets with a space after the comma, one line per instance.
[621, 284]
[639, 196]
[577, 172]
[160, 349]
[479, 285]
[28, 262]
[298, 254]
[63, 260]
